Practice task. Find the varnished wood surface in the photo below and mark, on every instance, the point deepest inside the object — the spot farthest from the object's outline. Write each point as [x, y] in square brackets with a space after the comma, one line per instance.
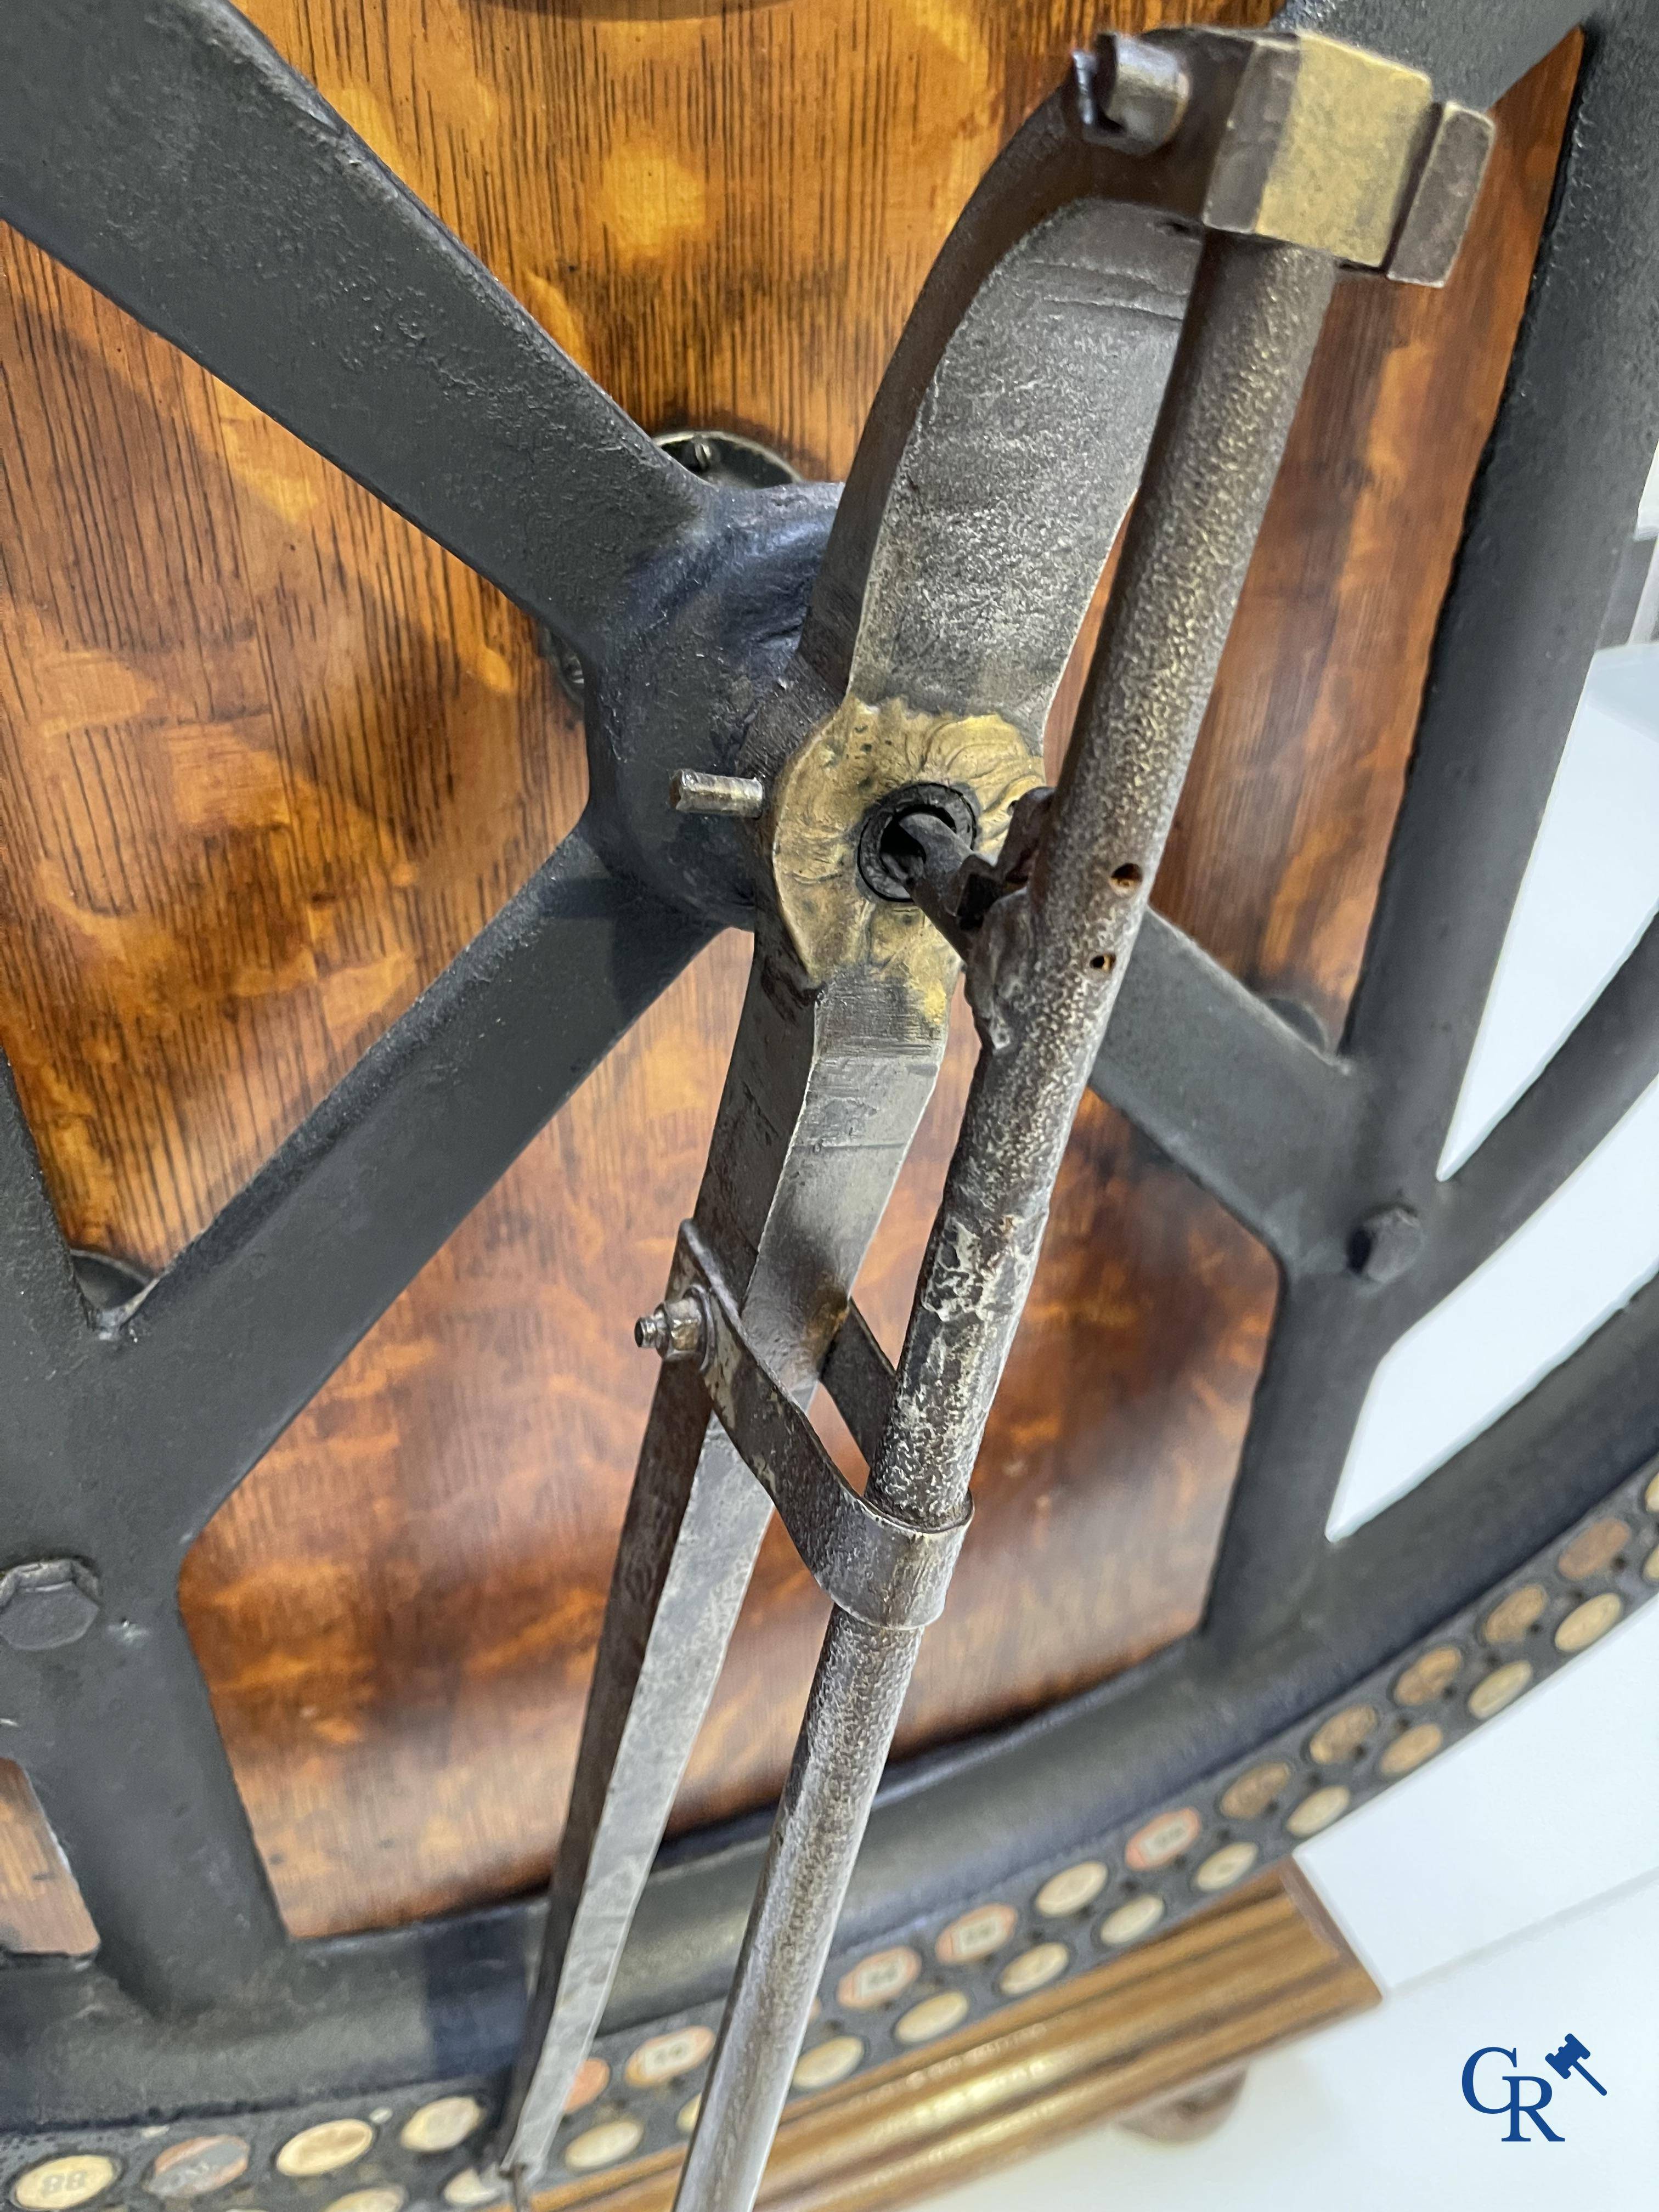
[41, 1908]
[268, 759]
[1238, 1981]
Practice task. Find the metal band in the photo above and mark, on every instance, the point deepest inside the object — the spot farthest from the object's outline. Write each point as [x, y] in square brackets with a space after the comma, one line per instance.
[885, 1571]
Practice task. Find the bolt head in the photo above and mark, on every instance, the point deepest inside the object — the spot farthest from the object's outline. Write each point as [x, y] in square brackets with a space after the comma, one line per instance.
[1385, 1243]
[47, 1603]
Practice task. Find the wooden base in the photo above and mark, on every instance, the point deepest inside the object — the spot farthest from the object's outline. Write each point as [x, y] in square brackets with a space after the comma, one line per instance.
[1173, 2021]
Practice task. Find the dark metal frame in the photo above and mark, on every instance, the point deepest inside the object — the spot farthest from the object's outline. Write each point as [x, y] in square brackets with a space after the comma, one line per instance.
[168, 155]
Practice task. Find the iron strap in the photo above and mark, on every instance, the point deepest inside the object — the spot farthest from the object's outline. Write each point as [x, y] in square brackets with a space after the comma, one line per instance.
[886, 1571]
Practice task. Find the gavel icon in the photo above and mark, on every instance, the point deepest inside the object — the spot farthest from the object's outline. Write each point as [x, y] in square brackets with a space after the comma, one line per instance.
[1569, 2059]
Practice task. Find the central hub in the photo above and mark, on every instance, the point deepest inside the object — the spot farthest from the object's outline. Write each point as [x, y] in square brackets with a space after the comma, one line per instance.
[890, 857]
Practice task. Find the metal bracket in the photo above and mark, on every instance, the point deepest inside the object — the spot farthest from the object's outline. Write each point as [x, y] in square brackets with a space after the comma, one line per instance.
[887, 1571]
[1292, 138]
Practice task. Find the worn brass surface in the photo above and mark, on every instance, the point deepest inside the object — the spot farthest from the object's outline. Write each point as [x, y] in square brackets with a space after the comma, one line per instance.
[857, 756]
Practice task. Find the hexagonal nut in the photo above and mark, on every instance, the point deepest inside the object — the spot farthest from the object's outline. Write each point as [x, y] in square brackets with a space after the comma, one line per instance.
[47, 1603]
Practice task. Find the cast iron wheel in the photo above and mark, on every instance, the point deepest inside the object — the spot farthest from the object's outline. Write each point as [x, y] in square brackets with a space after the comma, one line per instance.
[164, 153]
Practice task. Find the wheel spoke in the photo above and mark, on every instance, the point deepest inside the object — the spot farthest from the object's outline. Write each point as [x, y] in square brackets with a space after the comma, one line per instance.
[256, 1314]
[1326, 1341]
[167, 153]
[1594, 1078]
[1546, 527]
[1230, 1091]
[120, 1741]
[41, 1315]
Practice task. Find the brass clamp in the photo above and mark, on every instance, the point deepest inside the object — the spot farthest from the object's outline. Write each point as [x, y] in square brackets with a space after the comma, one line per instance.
[884, 1570]
[1293, 139]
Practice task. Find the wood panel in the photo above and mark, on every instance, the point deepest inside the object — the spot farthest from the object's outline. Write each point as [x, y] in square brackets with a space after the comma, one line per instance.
[41, 1906]
[1232, 1985]
[269, 758]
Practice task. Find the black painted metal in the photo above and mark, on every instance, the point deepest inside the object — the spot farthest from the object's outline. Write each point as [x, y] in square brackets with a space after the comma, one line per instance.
[164, 152]
[1550, 514]
[132, 1427]
[169, 154]
[1260, 1141]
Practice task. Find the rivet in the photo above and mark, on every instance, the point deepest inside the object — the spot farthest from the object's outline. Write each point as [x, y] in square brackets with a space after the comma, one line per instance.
[1499, 1688]
[1342, 1736]
[1136, 1917]
[385, 2196]
[933, 2016]
[1071, 1889]
[592, 2079]
[56, 2184]
[1594, 1550]
[195, 2167]
[665, 2057]
[1429, 1677]
[826, 2063]
[1226, 1866]
[440, 2125]
[1586, 1622]
[1034, 1969]
[880, 1979]
[976, 1934]
[1319, 1809]
[603, 2145]
[1410, 1750]
[1163, 1839]
[324, 2148]
[468, 2188]
[1255, 1792]
[1511, 1617]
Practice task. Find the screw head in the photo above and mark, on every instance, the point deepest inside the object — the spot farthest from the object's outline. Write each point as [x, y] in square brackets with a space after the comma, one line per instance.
[47, 1603]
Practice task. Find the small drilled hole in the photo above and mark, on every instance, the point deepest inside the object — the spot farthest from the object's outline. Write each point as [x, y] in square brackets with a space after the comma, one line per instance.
[1103, 962]
[1126, 878]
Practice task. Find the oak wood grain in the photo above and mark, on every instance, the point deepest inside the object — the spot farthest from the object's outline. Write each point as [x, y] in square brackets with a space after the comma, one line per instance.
[268, 759]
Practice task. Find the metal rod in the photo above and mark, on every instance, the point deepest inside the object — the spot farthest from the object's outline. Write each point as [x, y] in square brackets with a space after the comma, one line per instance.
[792, 1194]
[1043, 981]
